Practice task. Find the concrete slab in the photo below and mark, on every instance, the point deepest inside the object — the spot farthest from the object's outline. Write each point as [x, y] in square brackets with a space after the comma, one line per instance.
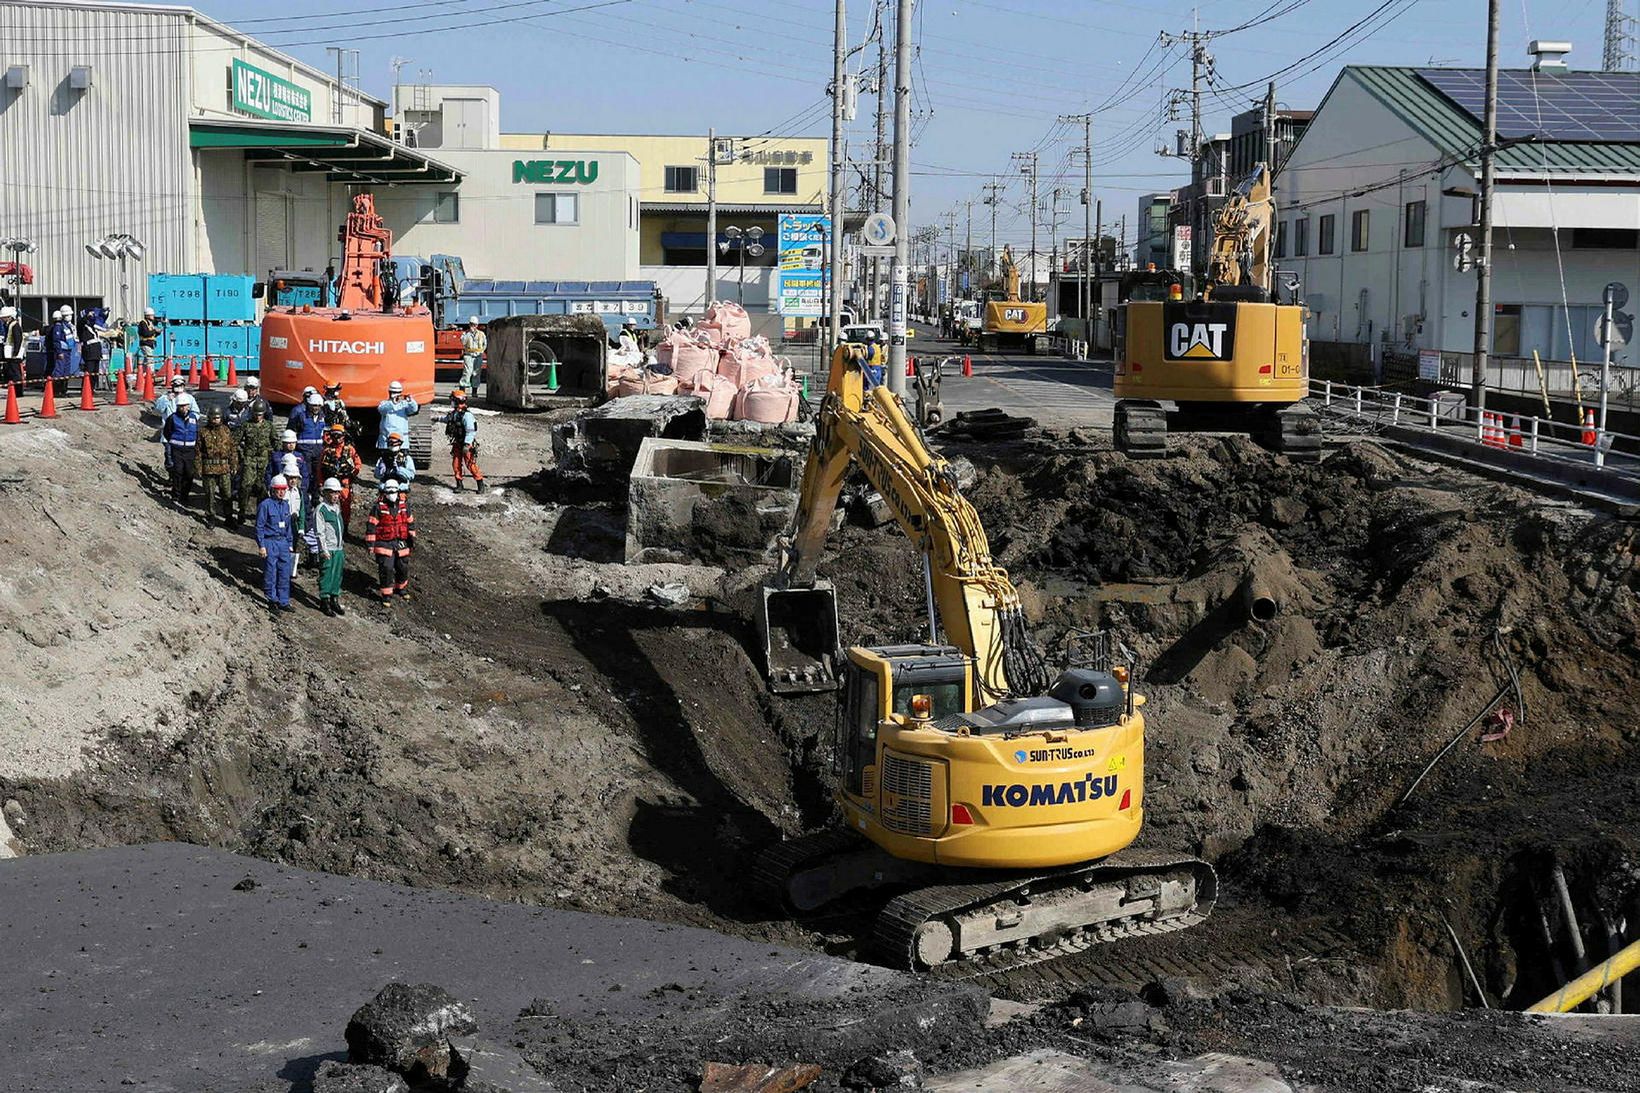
[1048, 1071]
[147, 968]
[685, 497]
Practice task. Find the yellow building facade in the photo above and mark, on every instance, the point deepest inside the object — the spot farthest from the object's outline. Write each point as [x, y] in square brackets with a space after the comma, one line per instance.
[758, 178]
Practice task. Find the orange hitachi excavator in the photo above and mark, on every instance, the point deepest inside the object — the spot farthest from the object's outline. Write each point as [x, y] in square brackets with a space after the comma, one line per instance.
[364, 343]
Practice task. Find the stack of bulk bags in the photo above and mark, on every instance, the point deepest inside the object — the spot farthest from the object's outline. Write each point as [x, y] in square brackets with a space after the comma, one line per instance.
[728, 321]
[718, 392]
[747, 361]
[645, 381]
[684, 355]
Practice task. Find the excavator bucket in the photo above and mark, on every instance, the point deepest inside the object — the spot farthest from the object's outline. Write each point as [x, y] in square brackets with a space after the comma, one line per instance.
[798, 627]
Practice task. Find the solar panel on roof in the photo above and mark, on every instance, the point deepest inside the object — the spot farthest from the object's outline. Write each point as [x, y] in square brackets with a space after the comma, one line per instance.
[1566, 106]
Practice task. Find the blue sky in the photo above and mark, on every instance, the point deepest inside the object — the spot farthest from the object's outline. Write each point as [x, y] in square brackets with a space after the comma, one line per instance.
[990, 79]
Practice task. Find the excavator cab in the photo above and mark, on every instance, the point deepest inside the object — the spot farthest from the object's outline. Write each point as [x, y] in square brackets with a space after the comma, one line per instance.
[879, 681]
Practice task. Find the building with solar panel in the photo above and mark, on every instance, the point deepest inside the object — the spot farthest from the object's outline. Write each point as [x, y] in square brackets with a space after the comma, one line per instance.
[1378, 215]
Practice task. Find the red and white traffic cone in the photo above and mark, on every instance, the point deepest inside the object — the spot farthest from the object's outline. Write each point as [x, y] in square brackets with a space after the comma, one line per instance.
[1515, 439]
[1591, 434]
[968, 366]
[87, 400]
[13, 415]
[910, 367]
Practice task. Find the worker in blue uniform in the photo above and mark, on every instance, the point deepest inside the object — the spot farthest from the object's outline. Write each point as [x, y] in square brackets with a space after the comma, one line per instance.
[273, 541]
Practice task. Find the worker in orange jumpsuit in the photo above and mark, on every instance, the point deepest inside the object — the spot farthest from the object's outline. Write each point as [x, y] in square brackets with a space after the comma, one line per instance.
[339, 459]
[461, 427]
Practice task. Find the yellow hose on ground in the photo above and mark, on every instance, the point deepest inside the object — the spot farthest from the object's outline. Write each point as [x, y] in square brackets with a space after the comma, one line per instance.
[1590, 983]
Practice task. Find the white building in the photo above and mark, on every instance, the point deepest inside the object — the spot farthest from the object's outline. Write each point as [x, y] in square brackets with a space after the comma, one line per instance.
[216, 152]
[1378, 193]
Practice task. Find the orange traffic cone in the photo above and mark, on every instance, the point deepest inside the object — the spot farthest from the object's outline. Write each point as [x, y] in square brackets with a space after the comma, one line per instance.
[170, 371]
[1591, 435]
[13, 417]
[968, 366]
[48, 401]
[193, 372]
[206, 373]
[1515, 440]
[87, 400]
[147, 383]
[233, 374]
[120, 396]
[910, 367]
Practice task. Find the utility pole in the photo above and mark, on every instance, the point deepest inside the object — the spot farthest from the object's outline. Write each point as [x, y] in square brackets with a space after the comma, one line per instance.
[992, 189]
[834, 263]
[1483, 274]
[1270, 163]
[1029, 168]
[1053, 252]
[968, 248]
[1201, 67]
[879, 152]
[711, 220]
[1085, 295]
[898, 288]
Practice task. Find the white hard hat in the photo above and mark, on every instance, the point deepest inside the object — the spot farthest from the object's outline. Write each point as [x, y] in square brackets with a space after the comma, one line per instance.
[395, 388]
[148, 312]
[390, 486]
[185, 399]
[331, 484]
[290, 464]
[472, 320]
[306, 391]
[178, 381]
[253, 381]
[279, 482]
[288, 436]
[313, 398]
[239, 395]
[8, 313]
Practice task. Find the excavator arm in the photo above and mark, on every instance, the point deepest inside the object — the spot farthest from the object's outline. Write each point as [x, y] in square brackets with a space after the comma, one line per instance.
[1241, 235]
[367, 246]
[863, 424]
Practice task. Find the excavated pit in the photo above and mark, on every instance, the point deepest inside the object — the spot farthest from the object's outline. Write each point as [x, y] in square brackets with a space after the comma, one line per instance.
[534, 726]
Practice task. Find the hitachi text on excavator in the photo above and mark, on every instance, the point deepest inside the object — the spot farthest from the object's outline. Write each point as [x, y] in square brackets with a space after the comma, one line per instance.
[995, 804]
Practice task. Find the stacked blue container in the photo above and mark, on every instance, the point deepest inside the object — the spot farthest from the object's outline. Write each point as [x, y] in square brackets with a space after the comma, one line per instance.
[207, 314]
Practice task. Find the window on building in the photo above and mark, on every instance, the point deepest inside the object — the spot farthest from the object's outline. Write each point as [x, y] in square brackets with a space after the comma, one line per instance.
[557, 209]
[1605, 238]
[1416, 211]
[1301, 237]
[1325, 233]
[780, 180]
[682, 180]
[1281, 239]
[1360, 229]
[447, 208]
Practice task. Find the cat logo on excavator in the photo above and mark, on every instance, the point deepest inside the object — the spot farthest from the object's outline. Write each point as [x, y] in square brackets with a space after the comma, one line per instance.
[1198, 341]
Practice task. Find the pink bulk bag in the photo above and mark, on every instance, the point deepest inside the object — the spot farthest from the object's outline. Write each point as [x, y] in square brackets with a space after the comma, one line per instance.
[771, 400]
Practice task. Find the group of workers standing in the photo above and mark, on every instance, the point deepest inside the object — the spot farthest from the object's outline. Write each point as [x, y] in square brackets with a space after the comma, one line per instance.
[294, 477]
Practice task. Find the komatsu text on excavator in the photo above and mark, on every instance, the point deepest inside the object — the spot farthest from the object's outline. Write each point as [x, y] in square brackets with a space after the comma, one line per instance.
[992, 799]
[1234, 359]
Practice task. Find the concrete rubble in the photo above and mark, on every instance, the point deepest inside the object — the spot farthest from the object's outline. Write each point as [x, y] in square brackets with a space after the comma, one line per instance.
[688, 497]
[599, 445]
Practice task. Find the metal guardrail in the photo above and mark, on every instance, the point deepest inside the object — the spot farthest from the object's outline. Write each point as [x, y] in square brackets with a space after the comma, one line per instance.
[1529, 436]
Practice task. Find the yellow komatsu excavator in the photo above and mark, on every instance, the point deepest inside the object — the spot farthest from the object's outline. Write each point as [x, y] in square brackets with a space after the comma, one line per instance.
[991, 799]
[1010, 322]
[1233, 359]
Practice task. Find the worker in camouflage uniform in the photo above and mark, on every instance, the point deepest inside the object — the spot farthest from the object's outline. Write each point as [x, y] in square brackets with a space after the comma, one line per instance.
[256, 442]
[339, 459]
[218, 463]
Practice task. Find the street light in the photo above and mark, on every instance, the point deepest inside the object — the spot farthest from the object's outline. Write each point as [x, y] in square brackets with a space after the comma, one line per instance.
[118, 246]
[746, 242]
[18, 247]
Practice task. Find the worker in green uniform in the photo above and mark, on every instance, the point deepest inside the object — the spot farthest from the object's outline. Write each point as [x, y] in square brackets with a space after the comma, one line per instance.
[327, 526]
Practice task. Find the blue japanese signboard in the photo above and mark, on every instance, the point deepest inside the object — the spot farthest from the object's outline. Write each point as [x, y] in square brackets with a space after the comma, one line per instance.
[803, 242]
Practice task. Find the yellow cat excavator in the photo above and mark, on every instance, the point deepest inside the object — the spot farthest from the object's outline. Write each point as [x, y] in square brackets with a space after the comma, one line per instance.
[997, 804]
[1233, 359]
[1010, 322]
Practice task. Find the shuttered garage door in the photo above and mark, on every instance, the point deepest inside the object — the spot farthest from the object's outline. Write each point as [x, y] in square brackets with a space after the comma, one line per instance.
[272, 232]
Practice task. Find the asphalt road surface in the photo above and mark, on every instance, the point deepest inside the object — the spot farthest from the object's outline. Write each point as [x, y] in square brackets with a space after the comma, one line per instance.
[1053, 390]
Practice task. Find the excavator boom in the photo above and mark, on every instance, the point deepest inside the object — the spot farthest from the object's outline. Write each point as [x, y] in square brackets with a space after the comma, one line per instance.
[864, 425]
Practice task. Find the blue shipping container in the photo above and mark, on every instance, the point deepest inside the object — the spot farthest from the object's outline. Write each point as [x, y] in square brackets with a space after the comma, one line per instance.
[182, 341]
[178, 297]
[242, 343]
[228, 298]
